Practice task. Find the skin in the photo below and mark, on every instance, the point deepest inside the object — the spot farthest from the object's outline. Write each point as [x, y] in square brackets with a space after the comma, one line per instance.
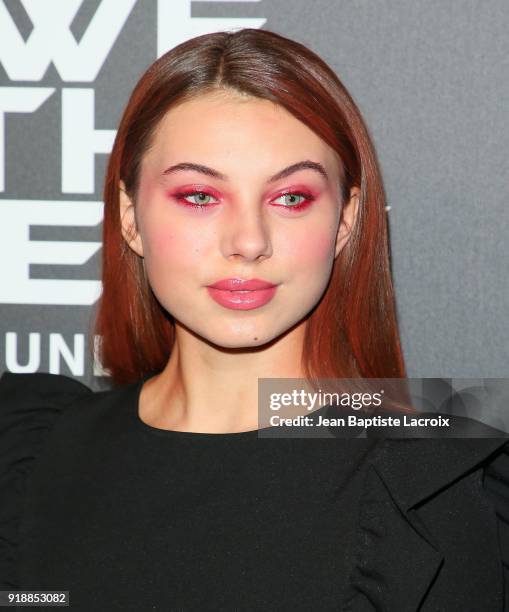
[210, 383]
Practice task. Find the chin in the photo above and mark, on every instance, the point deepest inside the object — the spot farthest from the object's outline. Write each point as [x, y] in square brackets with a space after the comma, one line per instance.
[237, 339]
[247, 339]
[240, 343]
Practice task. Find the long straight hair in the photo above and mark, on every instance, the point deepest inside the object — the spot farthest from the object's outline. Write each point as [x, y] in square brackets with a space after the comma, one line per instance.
[352, 332]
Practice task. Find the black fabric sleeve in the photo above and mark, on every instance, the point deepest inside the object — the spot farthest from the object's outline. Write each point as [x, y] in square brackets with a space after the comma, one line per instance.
[496, 485]
[29, 405]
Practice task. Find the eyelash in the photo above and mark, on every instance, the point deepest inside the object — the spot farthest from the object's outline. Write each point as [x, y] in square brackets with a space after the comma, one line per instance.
[308, 198]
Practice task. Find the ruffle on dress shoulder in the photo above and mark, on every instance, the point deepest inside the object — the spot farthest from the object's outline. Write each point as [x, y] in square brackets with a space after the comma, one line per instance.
[496, 485]
[29, 405]
[397, 558]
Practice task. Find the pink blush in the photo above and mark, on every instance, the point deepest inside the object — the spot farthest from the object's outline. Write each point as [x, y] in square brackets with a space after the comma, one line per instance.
[316, 245]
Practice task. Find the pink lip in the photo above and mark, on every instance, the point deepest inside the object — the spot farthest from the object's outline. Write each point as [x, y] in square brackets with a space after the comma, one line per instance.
[239, 284]
[239, 294]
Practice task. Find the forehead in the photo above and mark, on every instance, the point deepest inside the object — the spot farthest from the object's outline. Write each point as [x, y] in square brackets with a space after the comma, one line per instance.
[227, 123]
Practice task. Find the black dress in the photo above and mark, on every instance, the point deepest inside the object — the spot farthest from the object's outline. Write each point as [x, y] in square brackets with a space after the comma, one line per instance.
[129, 517]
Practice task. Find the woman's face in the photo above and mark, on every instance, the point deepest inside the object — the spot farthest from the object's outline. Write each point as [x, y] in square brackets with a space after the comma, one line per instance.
[236, 218]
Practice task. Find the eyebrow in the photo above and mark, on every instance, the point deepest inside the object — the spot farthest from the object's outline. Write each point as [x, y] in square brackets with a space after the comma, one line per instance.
[302, 165]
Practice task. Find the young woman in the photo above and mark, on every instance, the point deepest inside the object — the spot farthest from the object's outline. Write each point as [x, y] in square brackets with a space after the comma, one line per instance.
[245, 237]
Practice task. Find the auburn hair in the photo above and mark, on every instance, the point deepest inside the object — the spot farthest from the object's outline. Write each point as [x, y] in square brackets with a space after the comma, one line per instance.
[352, 332]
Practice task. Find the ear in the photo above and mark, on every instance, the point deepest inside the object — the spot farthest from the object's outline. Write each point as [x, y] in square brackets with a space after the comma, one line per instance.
[128, 221]
[348, 217]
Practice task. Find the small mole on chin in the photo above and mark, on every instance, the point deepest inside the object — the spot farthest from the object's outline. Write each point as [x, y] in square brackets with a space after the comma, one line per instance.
[255, 338]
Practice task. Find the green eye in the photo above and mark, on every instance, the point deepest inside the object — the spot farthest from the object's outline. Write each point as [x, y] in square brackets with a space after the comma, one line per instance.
[290, 199]
[295, 200]
[201, 198]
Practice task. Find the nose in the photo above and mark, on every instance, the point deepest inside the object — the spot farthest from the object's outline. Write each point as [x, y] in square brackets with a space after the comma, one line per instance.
[246, 234]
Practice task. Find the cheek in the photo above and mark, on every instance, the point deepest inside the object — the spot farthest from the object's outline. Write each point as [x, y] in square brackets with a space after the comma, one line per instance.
[167, 243]
[172, 248]
[313, 249]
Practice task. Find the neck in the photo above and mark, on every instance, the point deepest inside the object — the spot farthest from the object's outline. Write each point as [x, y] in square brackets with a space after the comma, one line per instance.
[210, 389]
